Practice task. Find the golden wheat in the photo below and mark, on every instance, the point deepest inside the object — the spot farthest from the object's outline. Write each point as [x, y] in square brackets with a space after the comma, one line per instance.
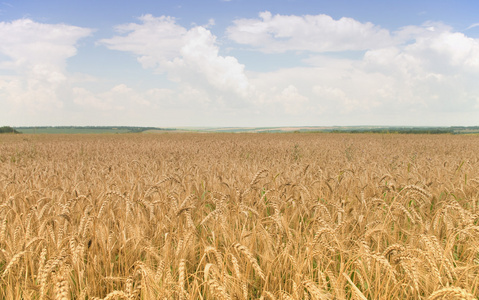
[239, 216]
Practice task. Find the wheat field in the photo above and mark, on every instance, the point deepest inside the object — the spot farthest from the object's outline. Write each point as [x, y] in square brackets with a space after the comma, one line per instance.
[239, 216]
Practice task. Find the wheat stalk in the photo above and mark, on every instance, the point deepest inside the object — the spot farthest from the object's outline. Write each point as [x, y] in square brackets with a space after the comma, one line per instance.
[245, 251]
[451, 293]
[14, 261]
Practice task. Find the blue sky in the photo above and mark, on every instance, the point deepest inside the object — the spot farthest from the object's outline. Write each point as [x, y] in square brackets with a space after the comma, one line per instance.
[239, 63]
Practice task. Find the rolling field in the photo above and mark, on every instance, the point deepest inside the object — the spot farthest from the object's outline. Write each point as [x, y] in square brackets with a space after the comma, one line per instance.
[239, 216]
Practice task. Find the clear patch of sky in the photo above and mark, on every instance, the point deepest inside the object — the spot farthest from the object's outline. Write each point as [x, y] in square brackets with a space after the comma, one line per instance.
[101, 14]
[388, 14]
[5, 71]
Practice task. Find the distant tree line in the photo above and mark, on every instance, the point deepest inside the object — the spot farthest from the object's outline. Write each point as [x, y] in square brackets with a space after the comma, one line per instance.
[413, 130]
[99, 128]
[392, 130]
[8, 129]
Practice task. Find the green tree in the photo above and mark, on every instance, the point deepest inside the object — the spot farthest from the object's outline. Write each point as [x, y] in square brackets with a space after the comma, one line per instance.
[8, 129]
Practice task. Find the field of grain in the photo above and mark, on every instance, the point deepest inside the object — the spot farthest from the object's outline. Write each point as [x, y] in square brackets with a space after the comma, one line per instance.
[239, 216]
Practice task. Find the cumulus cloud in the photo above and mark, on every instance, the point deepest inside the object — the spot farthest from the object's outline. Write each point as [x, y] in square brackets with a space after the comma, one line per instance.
[330, 94]
[436, 70]
[126, 105]
[187, 55]
[427, 76]
[112, 100]
[413, 70]
[29, 42]
[293, 101]
[156, 41]
[36, 57]
[408, 71]
[317, 33]
[418, 75]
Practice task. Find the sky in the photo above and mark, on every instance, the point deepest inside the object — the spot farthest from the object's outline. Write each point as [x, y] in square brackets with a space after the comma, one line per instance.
[239, 63]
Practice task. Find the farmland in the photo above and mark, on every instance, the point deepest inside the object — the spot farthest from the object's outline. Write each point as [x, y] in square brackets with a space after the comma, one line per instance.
[239, 216]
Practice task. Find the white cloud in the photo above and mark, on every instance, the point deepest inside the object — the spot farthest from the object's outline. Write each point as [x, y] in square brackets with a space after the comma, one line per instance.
[37, 55]
[293, 101]
[472, 26]
[318, 33]
[413, 72]
[189, 56]
[437, 70]
[335, 96]
[199, 57]
[156, 41]
[30, 43]
[419, 75]
[32, 94]
[431, 72]
[118, 98]
[84, 97]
